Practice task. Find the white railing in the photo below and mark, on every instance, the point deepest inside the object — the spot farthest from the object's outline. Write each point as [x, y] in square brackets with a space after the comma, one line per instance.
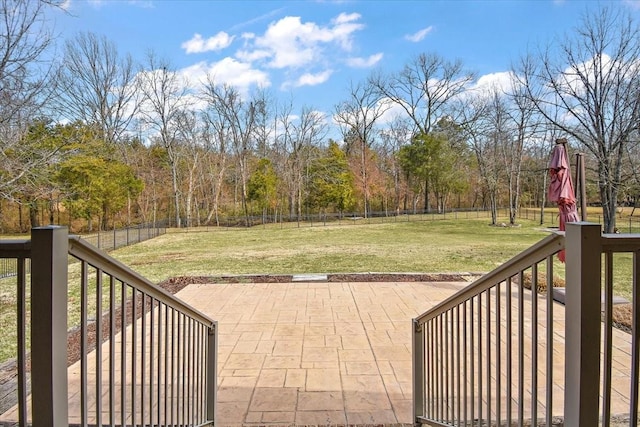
[144, 357]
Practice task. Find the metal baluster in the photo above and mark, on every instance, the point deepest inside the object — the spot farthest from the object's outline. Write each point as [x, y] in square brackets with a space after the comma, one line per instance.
[98, 333]
[83, 343]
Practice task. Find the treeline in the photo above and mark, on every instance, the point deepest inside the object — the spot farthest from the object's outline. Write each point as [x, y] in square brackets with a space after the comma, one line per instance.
[93, 139]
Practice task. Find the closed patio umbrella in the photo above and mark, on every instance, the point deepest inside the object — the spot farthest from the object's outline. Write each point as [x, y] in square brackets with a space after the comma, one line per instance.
[561, 187]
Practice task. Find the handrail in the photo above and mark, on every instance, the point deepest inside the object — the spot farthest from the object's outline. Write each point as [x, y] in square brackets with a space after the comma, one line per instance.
[544, 248]
[620, 242]
[15, 248]
[100, 259]
[156, 355]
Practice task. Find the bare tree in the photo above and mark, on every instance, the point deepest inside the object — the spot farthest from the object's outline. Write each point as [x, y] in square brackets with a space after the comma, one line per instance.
[189, 132]
[588, 87]
[25, 87]
[215, 136]
[164, 101]
[265, 123]
[284, 158]
[297, 139]
[483, 120]
[396, 135]
[237, 119]
[424, 88]
[525, 126]
[97, 85]
[357, 117]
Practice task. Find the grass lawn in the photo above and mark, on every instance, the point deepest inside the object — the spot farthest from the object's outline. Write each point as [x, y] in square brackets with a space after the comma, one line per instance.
[433, 246]
[426, 247]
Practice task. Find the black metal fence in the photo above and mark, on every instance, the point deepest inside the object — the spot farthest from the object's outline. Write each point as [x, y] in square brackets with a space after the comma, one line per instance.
[624, 224]
[357, 218]
[105, 240]
[113, 239]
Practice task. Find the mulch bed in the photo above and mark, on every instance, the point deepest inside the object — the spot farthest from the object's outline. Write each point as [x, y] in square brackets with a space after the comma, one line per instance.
[175, 284]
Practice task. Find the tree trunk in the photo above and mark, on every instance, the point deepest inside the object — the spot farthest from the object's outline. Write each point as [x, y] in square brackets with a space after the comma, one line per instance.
[104, 221]
[20, 225]
[365, 187]
[176, 192]
[608, 207]
[34, 214]
[426, 195]
[128, 210]
[494, 208]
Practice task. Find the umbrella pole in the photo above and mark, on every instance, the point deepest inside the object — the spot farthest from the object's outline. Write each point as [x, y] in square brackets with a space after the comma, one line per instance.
[580, 184]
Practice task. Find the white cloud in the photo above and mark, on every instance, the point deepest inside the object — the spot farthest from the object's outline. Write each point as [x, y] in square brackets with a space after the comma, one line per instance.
[229, 71]
[346, 18]
[291, 43]
[420, 35]
[502, 81]
[345, 26]
[365, 62]
[573, 77]
[310, 79]
[199, 45]
[304, 50]
[253, 55]
[392, 113]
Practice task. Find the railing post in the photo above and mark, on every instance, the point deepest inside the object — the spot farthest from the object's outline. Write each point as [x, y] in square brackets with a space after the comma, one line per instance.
[49, 262]
[583, 247]
[212, 372]
[417, 369]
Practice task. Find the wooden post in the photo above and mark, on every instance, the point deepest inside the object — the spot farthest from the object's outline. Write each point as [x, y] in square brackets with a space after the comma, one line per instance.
[49, 263]
[582, 324]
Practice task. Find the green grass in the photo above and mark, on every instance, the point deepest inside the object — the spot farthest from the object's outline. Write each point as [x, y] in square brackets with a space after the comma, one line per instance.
[427, 246]
[440, 246]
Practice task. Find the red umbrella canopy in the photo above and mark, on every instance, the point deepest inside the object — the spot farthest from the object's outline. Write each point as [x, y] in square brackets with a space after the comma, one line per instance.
[561, 188]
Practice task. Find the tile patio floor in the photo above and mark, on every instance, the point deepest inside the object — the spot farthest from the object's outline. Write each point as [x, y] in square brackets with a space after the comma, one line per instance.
[326, 353]
[315, 353]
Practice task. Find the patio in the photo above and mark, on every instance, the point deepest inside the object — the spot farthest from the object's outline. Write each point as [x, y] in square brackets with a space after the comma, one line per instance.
[335, 353]
[315, 353]
[325, 353]
[312, 352]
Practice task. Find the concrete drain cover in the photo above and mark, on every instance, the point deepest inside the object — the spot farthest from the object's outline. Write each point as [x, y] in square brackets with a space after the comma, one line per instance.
[309, 278]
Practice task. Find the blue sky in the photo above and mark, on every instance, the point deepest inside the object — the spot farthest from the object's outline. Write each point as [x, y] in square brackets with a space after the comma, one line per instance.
[308, 51]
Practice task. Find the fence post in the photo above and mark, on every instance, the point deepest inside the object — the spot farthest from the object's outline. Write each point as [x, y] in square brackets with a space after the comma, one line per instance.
[49, 258]
[212, 369]
[583, 248]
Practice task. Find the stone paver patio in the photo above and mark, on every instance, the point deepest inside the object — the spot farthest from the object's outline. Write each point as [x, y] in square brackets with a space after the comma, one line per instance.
[315, 353]
[310, 353]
